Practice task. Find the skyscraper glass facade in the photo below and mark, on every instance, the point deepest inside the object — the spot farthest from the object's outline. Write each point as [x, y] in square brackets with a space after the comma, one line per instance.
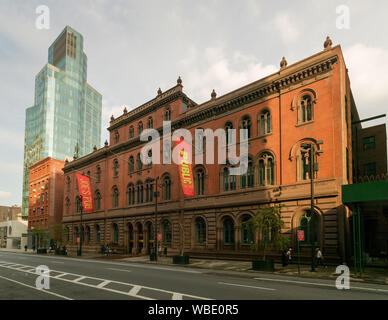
[66, 116]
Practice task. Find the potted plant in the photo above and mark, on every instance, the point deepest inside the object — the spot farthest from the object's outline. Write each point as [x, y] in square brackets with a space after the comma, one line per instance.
[267, 227]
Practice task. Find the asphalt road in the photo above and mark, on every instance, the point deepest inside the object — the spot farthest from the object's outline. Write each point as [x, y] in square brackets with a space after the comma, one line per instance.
[90, 279]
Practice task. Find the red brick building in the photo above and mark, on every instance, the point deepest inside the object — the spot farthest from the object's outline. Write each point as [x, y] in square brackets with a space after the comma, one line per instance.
[308, 101]
[46, 194]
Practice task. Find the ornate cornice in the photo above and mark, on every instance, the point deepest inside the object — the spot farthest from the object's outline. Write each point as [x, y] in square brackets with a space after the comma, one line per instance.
[259, 90]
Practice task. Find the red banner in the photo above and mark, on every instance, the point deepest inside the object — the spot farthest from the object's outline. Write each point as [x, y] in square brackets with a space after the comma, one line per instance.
[300, 235]
[85, 191]
[185, 172]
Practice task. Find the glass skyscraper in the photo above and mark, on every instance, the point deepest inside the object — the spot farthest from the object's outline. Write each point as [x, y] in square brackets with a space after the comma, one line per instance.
[66, 116]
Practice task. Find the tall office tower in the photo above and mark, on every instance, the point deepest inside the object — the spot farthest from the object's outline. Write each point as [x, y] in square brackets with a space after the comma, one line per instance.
[66, 116]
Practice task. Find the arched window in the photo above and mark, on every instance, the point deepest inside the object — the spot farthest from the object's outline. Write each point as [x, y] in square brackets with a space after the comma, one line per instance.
[78, 204]
[115, 168]
[246, 124]
[149, 191]
[247, 234]
[140, 127]
[228, 226]
[264, 123]
[303, 163]
[115, 197]
[167, 115]
[67, 204]
[229, 181]
[167, 188]
[131, 165]
[88, 235]
[140, 192]
[68, 184]
[117, 137]
[305, 109]
[228, 134]
[98, 234]
[199, 181]
[98, 200]
[247, 179]
[266, 169]
[166, 232]
[130, 194]
[98, 175]
[309, 223]
[150, 123]
[200, 230]
[115, 233]
[139, 163]
[131, 132]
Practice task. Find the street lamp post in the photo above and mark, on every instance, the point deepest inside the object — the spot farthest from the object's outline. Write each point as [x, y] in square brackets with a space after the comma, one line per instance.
[81, 232]
[312, 168]
[156, 220]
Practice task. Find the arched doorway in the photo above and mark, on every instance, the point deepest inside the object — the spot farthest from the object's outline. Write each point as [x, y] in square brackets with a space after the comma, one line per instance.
[150, 236]
[140, 237]
[131, 240]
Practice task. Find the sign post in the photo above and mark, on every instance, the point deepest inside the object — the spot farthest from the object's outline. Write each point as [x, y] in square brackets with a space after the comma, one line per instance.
[300, 238]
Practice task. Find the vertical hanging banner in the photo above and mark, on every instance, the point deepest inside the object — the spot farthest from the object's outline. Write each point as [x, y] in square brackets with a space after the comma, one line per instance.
[85, 191]
[185, 172]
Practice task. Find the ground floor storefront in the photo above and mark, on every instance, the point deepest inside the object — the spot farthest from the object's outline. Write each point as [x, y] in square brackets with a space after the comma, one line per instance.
[214, 232]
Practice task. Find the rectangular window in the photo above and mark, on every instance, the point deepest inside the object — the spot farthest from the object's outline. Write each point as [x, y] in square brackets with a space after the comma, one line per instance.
[369, 143]
[370, 169]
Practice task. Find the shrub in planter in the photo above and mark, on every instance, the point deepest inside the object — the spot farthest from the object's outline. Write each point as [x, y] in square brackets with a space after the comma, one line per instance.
[267, 227]
[41, 251]
[184, 259]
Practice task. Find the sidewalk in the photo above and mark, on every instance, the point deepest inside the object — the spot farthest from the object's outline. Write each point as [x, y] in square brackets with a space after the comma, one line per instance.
[370, 275]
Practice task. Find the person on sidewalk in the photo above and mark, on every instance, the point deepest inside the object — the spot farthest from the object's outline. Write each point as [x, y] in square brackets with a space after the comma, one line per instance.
[165, 251]
[320, 258]
[102, 249]
[289, 256]
[284, 258]
[25, 248]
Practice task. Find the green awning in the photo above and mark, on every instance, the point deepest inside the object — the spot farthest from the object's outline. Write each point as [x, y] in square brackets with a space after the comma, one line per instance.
[365, 192]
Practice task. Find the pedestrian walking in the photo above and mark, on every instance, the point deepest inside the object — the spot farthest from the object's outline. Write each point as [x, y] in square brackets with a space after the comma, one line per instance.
[284, 258]
[102, 249]
[159, 250]
[25, 248]
[289, 255]
[320, 258]
[165, 251]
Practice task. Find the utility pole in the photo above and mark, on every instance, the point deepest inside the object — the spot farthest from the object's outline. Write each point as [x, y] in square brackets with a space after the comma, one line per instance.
[313, 168]
[81, 230]
[156, 220]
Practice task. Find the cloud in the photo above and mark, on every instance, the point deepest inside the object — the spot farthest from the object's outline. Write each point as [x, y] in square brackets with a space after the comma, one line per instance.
[214, 69]
[368, 72]
[287, 27]
[5, 194]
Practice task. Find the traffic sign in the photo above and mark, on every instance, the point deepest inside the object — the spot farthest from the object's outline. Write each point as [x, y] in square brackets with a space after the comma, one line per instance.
[300, 235]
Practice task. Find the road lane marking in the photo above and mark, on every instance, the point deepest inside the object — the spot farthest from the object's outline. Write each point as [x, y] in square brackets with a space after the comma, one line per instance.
[135, 290]
[242, 285]
[320, 284]
[177, 296]
[102, 284]
[119, 270]
[102, 287]
[123, 264]
[57, 262]
[41, 290]
[79, 279]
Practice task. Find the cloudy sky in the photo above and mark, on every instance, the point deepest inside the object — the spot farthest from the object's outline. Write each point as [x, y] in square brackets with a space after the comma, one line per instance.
[135, 47]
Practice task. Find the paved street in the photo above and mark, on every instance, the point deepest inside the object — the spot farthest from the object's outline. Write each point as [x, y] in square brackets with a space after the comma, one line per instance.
[74, 279]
